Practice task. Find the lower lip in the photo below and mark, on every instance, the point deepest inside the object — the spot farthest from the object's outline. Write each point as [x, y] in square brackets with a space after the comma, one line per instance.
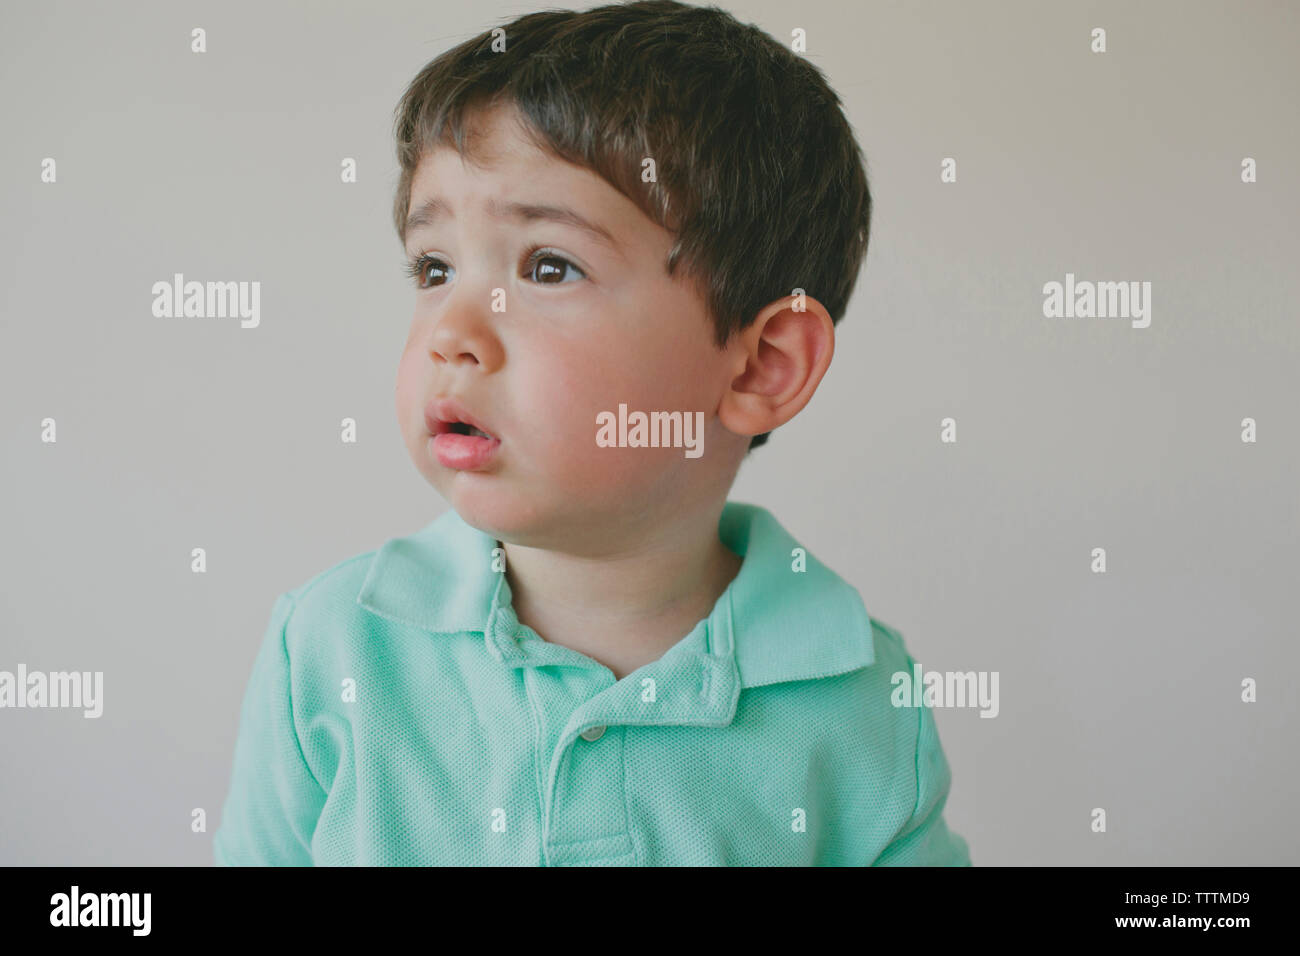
[464, 452]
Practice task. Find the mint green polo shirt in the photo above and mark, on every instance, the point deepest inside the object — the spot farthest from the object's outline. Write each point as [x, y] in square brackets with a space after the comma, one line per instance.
[398, 713]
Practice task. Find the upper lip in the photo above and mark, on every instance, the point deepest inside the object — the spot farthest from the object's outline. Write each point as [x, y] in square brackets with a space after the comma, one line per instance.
[440, 413]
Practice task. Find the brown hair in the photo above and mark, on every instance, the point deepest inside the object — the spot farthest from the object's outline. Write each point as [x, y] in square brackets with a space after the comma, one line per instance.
[759, 176]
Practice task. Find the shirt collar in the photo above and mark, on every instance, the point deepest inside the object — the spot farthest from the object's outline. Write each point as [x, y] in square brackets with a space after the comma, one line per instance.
[784, 624]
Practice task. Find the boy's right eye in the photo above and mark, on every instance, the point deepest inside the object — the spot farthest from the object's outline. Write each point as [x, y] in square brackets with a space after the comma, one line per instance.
[424, 267]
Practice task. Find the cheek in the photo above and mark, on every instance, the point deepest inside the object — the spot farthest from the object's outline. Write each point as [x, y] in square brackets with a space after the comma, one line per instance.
[560, 392]
[565, 391]
[409, 392]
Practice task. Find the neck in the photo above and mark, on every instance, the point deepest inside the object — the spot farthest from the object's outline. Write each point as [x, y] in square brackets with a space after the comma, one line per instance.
[630, 604]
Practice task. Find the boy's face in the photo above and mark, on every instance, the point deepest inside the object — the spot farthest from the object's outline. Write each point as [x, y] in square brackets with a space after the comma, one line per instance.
[570, 340]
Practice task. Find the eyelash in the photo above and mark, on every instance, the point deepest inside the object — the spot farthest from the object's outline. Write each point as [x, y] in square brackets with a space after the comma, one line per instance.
[416, 268]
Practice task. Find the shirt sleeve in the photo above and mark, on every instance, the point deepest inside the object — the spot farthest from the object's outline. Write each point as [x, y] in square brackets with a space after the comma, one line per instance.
[274, 800]
[925, 839]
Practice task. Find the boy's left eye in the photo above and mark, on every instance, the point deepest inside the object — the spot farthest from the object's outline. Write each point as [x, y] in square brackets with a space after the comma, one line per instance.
[543, 256]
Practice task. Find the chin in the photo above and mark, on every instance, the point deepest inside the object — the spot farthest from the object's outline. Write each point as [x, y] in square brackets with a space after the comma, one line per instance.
[526, 523]
[490, 511]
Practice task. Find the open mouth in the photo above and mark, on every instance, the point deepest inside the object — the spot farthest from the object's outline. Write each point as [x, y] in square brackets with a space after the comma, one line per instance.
[458, 443]
[464, 428]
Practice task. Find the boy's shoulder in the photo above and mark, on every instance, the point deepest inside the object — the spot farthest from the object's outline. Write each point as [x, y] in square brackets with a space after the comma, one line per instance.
[426, 579]
[796, 618]
[321, 611]
[888, 644]
[331, 591]
[877, 681]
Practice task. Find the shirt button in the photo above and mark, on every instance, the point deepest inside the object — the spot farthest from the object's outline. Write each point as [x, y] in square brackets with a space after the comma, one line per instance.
[592, 733]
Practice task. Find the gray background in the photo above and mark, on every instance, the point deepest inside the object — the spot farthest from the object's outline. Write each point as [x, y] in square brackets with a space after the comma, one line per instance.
[1118, 690]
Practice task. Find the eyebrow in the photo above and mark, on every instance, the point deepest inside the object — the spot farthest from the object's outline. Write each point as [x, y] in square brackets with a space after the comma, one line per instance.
[434, 208]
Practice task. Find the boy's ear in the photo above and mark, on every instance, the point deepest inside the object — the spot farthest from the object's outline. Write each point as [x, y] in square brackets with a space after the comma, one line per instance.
[780, 360]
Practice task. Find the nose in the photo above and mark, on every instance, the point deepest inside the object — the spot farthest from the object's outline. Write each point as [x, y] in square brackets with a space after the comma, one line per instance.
[463, 335]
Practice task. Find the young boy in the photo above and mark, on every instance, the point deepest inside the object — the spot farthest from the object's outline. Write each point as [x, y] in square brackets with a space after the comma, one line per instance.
[594, 657]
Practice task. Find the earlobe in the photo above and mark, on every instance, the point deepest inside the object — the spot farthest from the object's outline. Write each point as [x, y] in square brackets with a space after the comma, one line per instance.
[785, 352]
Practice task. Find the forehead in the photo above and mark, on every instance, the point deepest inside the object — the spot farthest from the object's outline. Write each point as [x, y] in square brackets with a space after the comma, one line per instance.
[523, 174]
[504, 165]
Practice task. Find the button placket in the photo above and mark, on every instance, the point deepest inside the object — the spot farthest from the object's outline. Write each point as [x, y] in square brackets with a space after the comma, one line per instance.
[588, 821]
